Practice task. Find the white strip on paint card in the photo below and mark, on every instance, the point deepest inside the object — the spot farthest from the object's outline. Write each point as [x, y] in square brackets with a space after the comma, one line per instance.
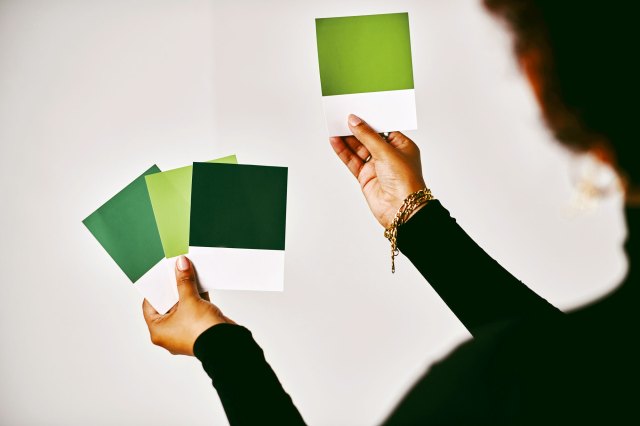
[218, 269]
[389, 111]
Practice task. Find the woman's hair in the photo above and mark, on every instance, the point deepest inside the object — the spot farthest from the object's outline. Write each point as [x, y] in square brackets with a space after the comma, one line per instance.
[584, 57]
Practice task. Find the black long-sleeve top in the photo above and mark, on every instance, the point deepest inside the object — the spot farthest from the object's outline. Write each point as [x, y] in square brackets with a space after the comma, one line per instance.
[528, 363]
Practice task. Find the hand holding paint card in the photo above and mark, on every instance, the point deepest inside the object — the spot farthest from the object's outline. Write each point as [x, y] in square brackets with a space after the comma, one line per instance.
[366, 69]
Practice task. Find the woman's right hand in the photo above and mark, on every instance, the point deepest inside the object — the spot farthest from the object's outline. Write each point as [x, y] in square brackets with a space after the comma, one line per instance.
[392, 172]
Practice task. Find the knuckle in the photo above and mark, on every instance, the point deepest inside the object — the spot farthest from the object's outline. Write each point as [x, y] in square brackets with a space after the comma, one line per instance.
[185, 280]
[362, 128]
[368, 131]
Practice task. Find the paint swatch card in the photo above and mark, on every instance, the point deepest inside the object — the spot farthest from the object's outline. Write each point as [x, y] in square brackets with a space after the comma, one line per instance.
[237, 229]
[170, 194]
[126, 228]
[366, 69]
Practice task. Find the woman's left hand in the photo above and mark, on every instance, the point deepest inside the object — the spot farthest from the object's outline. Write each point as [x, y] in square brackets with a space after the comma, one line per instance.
[178, 329]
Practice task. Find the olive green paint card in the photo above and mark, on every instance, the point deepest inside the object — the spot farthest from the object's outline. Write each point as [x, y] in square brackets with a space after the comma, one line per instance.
[366, 69]
[170, 193]
[359, 54]
[125, 226]
[238, 222]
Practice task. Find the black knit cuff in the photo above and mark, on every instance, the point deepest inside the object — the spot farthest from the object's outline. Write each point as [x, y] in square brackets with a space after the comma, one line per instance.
[219, 336]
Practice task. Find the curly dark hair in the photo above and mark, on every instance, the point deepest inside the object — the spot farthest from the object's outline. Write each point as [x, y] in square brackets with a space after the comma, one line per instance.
[588, 74]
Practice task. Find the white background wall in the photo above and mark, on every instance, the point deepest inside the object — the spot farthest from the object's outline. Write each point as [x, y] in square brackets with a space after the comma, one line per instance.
[94, 92]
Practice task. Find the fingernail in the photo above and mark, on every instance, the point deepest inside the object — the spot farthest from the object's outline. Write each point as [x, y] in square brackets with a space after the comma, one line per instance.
[183, 263]
[354, 120]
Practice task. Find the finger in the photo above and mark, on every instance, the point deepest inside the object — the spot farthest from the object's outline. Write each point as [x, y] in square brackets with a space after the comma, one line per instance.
[186, 279]
[348, 157]
[356, 147]
[402, 143]
[368, 137]
[149, 312]
[205, 296]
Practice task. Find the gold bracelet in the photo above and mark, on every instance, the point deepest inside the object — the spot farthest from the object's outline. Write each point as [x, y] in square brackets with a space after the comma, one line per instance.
[410, 203]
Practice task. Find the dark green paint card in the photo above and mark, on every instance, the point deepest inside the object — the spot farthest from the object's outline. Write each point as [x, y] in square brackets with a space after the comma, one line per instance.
[238, 206]
[126, 227]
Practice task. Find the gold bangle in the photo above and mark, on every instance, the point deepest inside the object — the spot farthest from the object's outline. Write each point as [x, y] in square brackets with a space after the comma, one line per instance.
[413, 201]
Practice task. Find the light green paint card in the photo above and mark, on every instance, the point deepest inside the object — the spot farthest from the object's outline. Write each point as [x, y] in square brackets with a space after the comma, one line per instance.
[359, 54]
[170, 194]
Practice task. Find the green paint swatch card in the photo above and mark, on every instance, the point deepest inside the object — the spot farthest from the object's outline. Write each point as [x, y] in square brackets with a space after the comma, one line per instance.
[366, 69]
[238, 221]
[238, 206]
[125, 226]
[359, 54]
[170, 194]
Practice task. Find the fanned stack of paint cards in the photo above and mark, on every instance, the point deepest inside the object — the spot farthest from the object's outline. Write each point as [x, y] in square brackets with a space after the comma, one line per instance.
[229, 218]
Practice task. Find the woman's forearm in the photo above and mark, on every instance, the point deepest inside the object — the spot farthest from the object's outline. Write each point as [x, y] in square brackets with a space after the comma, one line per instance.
[474, 286]
[250, 391]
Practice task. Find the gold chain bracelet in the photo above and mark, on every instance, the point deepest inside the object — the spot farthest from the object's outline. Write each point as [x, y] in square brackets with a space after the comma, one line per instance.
[412, 202]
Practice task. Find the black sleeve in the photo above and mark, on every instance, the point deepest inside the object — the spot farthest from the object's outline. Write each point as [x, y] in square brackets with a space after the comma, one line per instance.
[474, 286]
[248, 388]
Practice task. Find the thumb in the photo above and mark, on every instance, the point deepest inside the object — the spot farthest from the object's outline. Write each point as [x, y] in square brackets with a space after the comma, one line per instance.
[186, 279]
[368, 137]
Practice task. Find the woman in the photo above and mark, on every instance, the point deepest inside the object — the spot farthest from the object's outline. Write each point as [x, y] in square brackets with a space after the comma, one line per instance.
[528, 363]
